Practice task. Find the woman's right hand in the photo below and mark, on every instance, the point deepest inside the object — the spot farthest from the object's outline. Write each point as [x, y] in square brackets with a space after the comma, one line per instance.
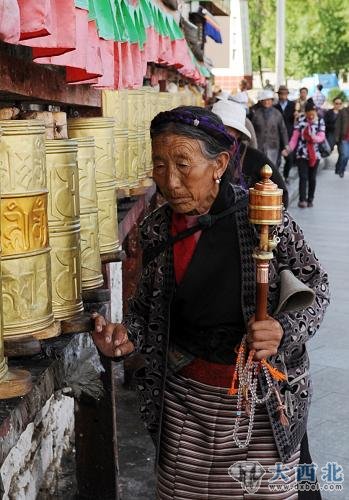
[111, 338]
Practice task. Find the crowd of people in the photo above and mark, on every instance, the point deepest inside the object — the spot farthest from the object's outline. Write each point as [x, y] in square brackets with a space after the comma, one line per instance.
[285, 133]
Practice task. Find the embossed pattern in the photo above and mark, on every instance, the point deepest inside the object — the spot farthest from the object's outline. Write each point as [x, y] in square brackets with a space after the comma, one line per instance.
[91, 267]
[102, 129]
[64, 227]
[26, 281]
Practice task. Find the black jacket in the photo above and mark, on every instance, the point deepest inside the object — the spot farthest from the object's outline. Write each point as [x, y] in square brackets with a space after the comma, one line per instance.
[288, 115]
[252, 162]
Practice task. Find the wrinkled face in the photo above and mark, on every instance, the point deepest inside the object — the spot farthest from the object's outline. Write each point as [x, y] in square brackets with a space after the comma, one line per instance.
[311, 115]
[303, 94]
[184, 175]
[267, 103]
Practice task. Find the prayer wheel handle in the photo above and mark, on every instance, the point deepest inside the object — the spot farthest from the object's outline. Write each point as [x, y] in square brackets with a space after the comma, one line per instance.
[264, 210]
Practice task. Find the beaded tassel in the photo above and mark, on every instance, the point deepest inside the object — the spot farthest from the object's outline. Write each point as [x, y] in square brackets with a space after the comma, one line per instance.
[244, 385]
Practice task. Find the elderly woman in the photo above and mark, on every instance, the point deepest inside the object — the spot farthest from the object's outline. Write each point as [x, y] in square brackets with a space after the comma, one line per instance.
[195, 301]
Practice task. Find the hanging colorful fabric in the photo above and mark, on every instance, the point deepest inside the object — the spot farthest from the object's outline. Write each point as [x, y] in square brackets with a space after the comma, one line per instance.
[63, 36]
[36, 18]
[9, 21]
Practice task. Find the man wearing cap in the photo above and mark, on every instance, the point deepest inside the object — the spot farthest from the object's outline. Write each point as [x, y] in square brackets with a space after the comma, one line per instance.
[287, 109]
[248, 161]
[270, 127]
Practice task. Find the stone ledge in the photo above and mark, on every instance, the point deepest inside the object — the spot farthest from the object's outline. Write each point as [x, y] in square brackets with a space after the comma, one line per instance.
[62, 365]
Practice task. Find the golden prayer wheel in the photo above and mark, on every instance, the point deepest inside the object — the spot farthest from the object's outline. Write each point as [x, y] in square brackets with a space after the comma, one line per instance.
[149, 114]
[91, 266]
[16, 382]
[164, 101]
[26, 266]
[142, 174]
[64, 227]
[133, 157]
[115, 105]
[135, 119]
[102, 129]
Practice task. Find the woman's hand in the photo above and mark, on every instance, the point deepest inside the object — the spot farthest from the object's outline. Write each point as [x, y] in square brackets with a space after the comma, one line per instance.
[111, 338]
[264, 337]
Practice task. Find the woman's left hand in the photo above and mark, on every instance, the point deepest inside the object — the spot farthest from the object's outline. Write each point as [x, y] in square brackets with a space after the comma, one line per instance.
[264, 337]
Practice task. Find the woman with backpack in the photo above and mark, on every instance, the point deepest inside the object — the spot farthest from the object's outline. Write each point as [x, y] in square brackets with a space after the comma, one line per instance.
[308, 134]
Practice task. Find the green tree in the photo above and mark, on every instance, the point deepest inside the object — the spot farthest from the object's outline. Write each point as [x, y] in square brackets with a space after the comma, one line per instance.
[317, 36]
[262, 31]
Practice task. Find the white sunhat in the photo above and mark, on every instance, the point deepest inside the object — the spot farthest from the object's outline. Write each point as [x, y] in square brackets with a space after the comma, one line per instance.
[240, 97]
[265, 94]
[224, 95]
[232, 115]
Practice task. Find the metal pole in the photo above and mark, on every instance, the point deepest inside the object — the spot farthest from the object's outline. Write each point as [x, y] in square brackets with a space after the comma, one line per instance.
[280, 43]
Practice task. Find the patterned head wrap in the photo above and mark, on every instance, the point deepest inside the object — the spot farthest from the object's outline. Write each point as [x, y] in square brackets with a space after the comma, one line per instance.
[206, 124]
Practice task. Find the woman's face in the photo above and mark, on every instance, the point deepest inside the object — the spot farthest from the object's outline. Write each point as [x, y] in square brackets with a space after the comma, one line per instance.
[185, 177]
[311, 115]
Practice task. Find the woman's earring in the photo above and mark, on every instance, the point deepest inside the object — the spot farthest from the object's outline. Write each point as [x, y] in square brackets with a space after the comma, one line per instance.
[218, 181]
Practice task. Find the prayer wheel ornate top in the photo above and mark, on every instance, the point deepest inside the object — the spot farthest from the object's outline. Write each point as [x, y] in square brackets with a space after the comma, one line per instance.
[26, 282]
[265, 205]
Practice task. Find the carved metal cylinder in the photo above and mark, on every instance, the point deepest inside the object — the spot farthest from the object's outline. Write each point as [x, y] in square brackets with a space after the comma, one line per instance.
[64, 227]
[134, 146]
[102, 129]
[115, 105]
[91, 266]
[26, 266]
[3, 364]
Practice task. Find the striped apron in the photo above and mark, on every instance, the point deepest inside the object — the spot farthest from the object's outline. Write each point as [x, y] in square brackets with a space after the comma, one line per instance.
[197, 448]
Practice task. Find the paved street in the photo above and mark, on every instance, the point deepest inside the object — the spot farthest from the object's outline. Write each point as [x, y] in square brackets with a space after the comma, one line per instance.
[326, 227]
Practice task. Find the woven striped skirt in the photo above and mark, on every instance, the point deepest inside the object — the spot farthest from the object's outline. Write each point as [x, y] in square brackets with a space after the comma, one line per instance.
[197, 448]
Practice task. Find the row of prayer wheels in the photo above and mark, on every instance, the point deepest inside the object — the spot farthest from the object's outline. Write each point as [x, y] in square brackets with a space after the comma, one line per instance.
[59, 207]
[133, 111]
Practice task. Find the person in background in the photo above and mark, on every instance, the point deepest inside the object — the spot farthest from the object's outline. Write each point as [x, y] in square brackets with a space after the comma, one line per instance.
[319, 100]
[270, 127]
[308, 133]
[330, 118]
[248, 124]
[342, 139]
[242, 96]
[268, 86]
[248, 160]
[301, 102]
[287, 109]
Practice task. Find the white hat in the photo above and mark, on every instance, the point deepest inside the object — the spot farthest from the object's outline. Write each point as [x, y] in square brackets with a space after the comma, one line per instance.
[224, 95]
[240, 97]
[265, 94]
[232, 115]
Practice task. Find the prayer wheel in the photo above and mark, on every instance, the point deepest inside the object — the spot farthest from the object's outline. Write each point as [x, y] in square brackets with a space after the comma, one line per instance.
[16, 382]
[115, 105]
[91, 266]
[148, 118]
[102, 129]
[26, 265]
[134, 148]
[64, 227]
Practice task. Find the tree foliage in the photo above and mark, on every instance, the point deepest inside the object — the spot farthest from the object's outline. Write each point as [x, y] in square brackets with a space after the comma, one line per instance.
[317, 35]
